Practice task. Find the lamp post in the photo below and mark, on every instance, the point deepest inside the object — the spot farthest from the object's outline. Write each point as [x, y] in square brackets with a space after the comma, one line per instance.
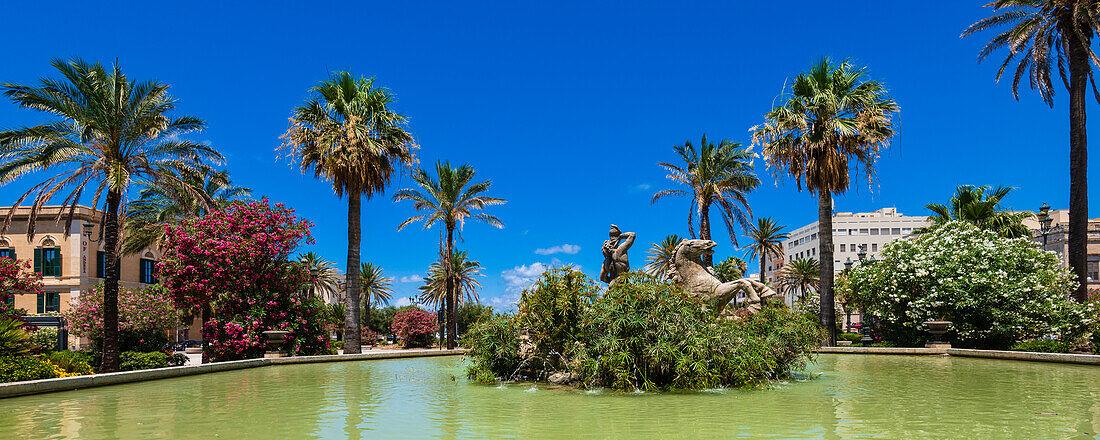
[313, 280]
[1045, 221]
[88, 226]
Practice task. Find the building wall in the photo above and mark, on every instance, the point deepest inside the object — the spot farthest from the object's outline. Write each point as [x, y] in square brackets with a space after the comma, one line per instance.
[1057, 240]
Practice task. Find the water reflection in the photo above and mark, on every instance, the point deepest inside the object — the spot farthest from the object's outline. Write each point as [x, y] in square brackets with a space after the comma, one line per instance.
[854, 396]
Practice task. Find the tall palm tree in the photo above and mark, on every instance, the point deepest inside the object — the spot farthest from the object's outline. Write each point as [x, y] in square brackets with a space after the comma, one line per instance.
[730, 269]
[832, 118]
[660, 256]
[347, 134]
[108, 132]
[197, 193]
[324, 281]
[980, 206]
[802, 273]
[450, 200]
[719, 174]
[767, 241]
[376, 287]
[434, 291]
[1043, 34]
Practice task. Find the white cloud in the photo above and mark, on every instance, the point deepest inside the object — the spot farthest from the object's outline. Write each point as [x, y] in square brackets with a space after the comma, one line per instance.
[521, 277]
[570, 249]
[402, 302]
[414, 278]
[642, 186]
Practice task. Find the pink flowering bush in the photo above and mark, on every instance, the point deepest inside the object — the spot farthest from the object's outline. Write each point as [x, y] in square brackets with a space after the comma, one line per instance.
[16, 277]
[149, 310]
[235, 263]
[415, 326]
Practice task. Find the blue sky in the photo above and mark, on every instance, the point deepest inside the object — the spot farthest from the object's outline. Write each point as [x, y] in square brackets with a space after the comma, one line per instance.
[567, 106]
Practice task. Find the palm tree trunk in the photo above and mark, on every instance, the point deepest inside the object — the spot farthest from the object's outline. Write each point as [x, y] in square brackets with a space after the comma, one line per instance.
[452, 324]
[825, 232]
[704, 231]
[762, 257]
[352, 338]
[1078, 163]
[110, 285]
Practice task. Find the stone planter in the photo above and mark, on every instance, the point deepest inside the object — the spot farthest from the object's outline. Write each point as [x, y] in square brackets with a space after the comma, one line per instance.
[275, 339]
[937, 330]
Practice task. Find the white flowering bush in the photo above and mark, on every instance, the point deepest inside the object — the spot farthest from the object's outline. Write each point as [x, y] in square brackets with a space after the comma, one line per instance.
[994, 290]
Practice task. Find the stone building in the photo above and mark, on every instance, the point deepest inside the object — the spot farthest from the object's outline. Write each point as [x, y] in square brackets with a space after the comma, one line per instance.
[1056, 239]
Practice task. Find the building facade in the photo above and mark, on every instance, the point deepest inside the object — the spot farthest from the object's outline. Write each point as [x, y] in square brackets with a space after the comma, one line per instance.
[1056, 239]
[870, 231]
[71, 261]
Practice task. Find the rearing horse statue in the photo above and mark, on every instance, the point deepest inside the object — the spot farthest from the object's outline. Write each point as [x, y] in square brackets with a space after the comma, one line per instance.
[688, 271]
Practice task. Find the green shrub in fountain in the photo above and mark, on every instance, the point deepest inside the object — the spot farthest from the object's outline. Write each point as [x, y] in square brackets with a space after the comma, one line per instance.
[641, 334]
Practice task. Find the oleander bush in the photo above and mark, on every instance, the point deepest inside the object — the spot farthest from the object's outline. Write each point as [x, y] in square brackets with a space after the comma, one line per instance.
[144, 317]
[1042, 346]
[44, 339]
[642, 333]
[415, 326]
[994, 290]
[19, 368]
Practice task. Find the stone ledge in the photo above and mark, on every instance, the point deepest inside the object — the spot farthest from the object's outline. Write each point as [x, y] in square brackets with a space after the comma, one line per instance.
[882, 350]
[1087, 359]
[13, 389]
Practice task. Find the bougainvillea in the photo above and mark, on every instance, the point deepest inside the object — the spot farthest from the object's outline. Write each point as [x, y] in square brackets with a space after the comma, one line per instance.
[995, 290]
[16, 277]
[415, 326]
[139, 310]
[235, 263]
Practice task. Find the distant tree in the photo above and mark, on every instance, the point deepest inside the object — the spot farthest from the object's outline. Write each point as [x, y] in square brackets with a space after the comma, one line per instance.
[801, 274]
[660, 256]
[830, 117]
[730, 269]
[1042, 34]
[767, 241]
[109, 132]
[376, 286]
[715, 174]
[471, 313]
[347, 134]
[325, 282]
[451, 199]
[463, 281]
[981, 207]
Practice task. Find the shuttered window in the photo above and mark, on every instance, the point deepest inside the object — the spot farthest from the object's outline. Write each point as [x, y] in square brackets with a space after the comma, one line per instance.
[49, 302]
[148, 271]
[47, 261]
[9, 252]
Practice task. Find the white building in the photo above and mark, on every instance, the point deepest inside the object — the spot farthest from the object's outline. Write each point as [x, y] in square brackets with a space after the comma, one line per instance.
[850, 232]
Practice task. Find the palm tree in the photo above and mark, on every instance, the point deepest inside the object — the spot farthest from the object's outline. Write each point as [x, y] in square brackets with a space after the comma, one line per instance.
[347, 134]
[197, 193]
[730, 269]
[719, 174]
[434, 290]
[660, 256]
[376, 287]
[831, 116]
[801, 273]
[109, 131]
[1045, 33]
[450, 200]
[980, 206]
[767, 241]
[324, 281]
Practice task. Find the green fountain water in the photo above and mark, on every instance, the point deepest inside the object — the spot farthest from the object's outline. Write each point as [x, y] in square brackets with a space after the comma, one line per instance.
[855, 396]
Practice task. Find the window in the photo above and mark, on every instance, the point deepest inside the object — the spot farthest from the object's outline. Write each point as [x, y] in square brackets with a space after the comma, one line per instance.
[47, 261]
[9, 252]
[874, 231]
[862, 232]
[874, 247]
[148, 271]
[895, 231]
[906, 230]
[851, 232]
[843, 247]
[101, 265]
[49, 302]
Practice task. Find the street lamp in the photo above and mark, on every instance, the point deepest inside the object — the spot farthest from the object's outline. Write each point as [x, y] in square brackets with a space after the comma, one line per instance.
[848, 264]
[1045, 221]
[313, 280]
[88, 226]
[862, 254]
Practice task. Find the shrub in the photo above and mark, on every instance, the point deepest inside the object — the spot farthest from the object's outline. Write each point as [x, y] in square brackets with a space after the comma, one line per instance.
[16, 276]
[133, 360]
[44, 339]
[551, 309]
[853, 337]
[369, 337]
[995, 290]
[14, 340]
[73, 363]
[19, 368]
[415, 326]
[143, 314]
[1041, 346]
[641, 334]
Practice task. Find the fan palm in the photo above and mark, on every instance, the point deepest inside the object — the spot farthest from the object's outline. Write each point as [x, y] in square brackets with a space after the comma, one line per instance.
[802, 273]
[980, 206]
[376, 287]
[465, 285]
[197, 192]
[450, 200]
[323, 278]
[832, 118]
[109, 132]
[660, 256]
[1042, 34]
[347, 134]
[767, 241]
[715, 174]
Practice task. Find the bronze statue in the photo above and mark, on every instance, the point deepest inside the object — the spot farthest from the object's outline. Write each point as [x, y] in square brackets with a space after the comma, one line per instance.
[614, 254]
